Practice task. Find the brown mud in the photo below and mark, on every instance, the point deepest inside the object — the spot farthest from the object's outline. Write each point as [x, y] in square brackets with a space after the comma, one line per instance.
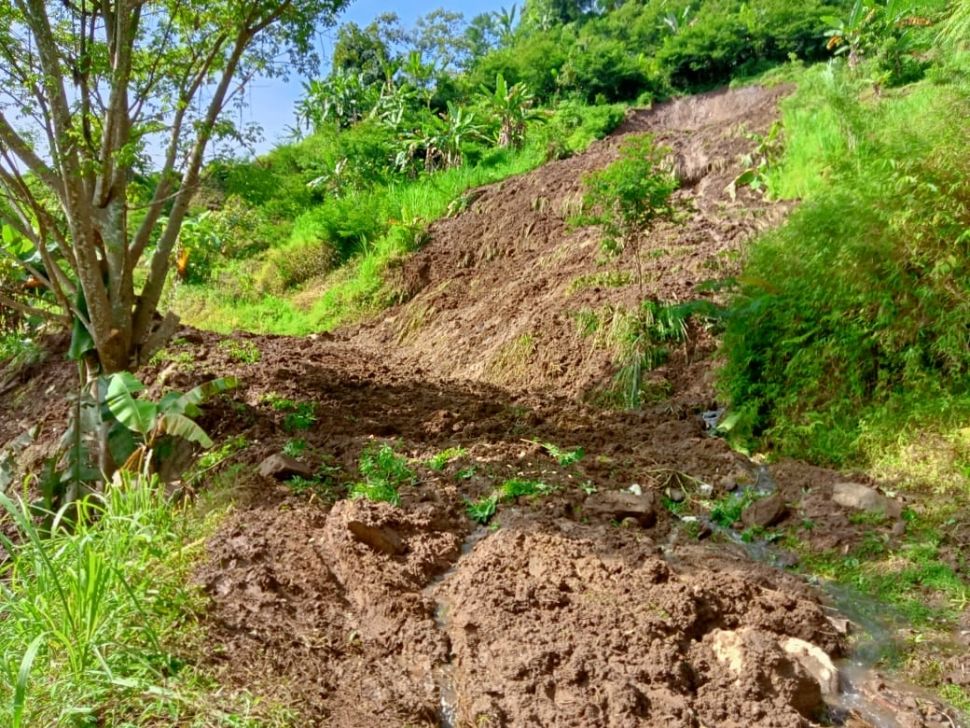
[564, 612]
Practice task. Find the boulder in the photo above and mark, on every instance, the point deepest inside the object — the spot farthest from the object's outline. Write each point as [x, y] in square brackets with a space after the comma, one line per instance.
[756, 661]
[860, 497]
[619, 505]
[283, 467]
[816, 663]
[766, 512]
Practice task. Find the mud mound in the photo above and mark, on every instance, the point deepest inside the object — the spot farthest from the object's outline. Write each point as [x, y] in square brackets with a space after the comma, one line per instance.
[548, 628]
[494, 296]
[553, 624]
[307, 611]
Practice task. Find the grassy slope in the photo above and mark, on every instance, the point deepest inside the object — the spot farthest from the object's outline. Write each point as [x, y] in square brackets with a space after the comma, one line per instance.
[354, 290]
[848, 337]
[97, 624]
[848, 342]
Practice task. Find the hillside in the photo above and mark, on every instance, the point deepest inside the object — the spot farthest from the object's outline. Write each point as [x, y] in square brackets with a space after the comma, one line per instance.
[498, 292]
[597, 365]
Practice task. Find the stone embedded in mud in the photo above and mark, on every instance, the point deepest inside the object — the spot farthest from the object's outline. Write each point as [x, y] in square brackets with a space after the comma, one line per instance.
[756, 658]
[283, 467]
[863, 498]
[816, 662]
[620, 505]
[380, 538]
[765, 513]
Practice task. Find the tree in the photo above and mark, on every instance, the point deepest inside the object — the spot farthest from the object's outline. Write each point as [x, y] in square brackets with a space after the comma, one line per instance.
[342, 98]
[440, 38]
[543, 14]
[481, 36]
[368, 51]
[91, 87]
[506, 20]
[630, 196]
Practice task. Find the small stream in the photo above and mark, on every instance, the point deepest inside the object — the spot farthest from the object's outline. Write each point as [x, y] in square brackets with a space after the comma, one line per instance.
[444, 674]
[873, 627]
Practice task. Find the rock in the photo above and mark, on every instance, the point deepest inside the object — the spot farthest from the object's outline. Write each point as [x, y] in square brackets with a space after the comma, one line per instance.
[636, 489]
[785, 559]
[756, 658]
[728, 647]
[676, 495]
[816, 663]
[841, 625]
[863, 498]
[380, 538]
[622, 504]
[728, 483]
[283, 467]
[766, 512]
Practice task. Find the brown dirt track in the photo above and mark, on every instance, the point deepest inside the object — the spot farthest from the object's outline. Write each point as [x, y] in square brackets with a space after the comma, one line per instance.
[557, 617]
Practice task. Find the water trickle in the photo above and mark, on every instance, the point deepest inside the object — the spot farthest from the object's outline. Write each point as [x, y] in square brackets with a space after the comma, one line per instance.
[874, 637]
[444, 673]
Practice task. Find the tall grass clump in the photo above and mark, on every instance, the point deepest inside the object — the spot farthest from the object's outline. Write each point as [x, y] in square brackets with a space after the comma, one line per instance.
[90, 612]
[850, 334]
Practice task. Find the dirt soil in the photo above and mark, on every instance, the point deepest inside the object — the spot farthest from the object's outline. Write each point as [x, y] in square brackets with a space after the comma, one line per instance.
[589, 605]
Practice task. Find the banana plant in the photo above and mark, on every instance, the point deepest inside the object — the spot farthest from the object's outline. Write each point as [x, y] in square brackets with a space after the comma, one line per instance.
[441, 146]
[147, 421]
[511, 108]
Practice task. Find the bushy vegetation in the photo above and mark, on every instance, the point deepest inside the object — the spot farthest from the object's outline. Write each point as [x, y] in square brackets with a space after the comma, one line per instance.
[849, 336]
[93, 622]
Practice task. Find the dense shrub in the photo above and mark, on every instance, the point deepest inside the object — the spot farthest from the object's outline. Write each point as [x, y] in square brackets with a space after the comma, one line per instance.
[726, 37]
[853, 320]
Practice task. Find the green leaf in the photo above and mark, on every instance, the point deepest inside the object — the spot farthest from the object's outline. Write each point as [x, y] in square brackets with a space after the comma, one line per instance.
[20, 690]
[188, 403]
[137, 415]
[178, 425]
[81, 341]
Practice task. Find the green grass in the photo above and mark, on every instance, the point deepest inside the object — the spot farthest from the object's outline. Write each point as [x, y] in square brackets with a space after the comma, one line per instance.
[439, 461]
[359, 288]
[727, 511]
[241, 350]
[483, 510]
[848, 340]
[912, 577]
[298, 415]
[383, 471]
[564, 458]
[294, 447]
[603, 279]
[522, 488]
[96, 622]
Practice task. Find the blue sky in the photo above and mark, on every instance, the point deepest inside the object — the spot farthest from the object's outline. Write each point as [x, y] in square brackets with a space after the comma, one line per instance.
[271, 101]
